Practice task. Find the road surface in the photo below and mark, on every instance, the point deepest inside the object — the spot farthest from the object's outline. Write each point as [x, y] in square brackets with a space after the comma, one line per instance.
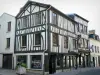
[91, 72]
[84, 71]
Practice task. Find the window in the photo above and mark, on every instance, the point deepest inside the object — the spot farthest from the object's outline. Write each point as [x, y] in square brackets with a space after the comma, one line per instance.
[38, 39]
[38, 19]
[36, 62]
[81, 28]
[58, 61]
[8, 42]
[54, 18]
[65, 42]
[25, 21]
[55, 39]
[0, 26]
[64, 61]
[85, 29]
[9, 26]
[74, 43]
[24, 41]
[96, 37]
[92, 47]
[98, 49]
[21, 58]
[78, 27]
[87, 44]
[71, 27]
[95, 49]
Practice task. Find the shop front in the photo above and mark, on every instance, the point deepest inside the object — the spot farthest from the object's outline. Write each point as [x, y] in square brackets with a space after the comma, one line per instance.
[33, 62]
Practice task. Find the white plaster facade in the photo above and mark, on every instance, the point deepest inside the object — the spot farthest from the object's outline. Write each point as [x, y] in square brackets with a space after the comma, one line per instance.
[4, 34]
[95, 52]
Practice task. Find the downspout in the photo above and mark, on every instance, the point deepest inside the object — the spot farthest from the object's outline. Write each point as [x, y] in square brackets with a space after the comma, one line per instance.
[46, 41]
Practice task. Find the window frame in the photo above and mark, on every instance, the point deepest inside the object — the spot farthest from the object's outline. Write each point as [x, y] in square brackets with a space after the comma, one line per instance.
[37, 39]
[58, 64]
[66, 41]
[95, 49]
[9, 26]
[75, 43]
[54, 18]
[25, 21]
[98, 48]
[55, 42]
[36, 59]
[23, 46]
[8, 43]
[81, 26]
[0, 26]
[85, 29]
[38, 18]
[78, 28]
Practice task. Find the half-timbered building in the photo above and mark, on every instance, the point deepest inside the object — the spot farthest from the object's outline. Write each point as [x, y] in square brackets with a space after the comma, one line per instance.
[45, 38]
[83, 43]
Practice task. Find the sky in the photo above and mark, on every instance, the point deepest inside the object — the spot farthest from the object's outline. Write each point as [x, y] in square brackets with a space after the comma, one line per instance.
[89, 9]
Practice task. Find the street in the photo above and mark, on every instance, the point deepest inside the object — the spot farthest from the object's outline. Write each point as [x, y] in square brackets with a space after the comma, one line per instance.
[79, 71]
[91, 72]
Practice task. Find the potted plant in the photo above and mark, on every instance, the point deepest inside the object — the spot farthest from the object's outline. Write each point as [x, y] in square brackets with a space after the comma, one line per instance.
[21, 68]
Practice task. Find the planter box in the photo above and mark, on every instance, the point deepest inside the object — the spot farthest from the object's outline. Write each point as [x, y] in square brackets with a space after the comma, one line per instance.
[21, 70]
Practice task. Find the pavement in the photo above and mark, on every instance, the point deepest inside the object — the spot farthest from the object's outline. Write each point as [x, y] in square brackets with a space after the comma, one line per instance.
[13, 72]
[79, 71]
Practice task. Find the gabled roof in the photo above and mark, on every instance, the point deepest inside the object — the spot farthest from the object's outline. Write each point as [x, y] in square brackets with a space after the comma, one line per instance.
[46, 6]
[6, 14]
[32, 2]
[78, 16]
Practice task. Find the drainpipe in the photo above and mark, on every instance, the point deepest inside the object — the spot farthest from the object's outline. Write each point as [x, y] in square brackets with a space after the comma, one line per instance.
[46, 41]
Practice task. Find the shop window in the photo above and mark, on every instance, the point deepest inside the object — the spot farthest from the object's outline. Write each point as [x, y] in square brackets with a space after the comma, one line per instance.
[64, 61]
[58, 62]
[22, 59]
[36, 62]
